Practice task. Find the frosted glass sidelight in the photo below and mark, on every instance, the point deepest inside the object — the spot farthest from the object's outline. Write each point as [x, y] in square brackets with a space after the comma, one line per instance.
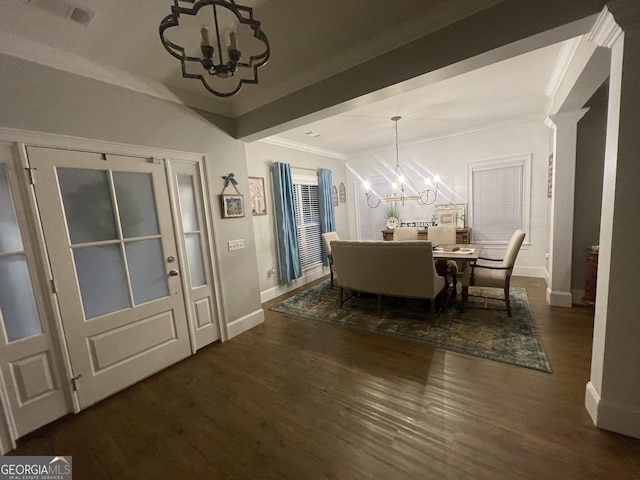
[136, 204]
[87, 204]
[102, 280]
[17, 303]
[194, 256]
[187, 203]
[146, 270]
[10, 240]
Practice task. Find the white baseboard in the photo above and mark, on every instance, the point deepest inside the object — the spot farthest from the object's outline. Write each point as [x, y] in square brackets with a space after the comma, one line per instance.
[591, 402]
[278, 290]
[624, 419]
[242, 324]
[559, 299]
[534, 272]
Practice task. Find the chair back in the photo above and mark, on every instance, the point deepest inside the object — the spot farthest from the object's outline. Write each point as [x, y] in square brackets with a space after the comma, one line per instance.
[513, 248]
[403, 269]
[442, 235]
[327, 238]
[401, 234]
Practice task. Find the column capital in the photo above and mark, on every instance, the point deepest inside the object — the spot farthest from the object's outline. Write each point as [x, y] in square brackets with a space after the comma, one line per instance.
[565, 118]
[605, 31]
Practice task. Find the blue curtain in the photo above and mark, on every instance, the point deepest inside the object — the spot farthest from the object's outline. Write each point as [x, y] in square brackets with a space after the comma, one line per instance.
[284, 200]
[327, 215]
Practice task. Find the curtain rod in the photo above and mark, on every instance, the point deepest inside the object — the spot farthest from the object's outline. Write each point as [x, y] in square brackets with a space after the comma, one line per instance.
[293, 167]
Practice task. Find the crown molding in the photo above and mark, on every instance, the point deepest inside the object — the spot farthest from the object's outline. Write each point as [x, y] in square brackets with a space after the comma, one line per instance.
[281, 142]
[605, 31]
[567, 52]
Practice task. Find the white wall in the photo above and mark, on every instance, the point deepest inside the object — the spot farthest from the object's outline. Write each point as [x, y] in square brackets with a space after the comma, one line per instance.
[259, 156]
[449, 158]
[38, 98]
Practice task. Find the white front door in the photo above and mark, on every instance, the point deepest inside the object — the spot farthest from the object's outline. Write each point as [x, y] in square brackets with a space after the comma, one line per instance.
[30, 362]
[109, 233]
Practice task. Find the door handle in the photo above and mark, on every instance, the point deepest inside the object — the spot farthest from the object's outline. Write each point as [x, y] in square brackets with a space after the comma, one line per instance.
[173, 272]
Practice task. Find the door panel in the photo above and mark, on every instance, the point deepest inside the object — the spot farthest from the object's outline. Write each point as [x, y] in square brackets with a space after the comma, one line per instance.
[195, 251]
[29, 356]
[109, 233]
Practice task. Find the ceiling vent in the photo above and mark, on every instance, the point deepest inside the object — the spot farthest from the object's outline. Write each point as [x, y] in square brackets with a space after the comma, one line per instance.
[63, 9]
[80, 15]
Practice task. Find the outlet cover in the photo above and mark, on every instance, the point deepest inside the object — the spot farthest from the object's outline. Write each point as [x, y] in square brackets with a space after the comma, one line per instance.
[235, 244]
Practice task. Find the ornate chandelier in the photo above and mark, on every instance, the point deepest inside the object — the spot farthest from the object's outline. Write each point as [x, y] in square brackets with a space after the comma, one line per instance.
[396, 187]
[217, 61]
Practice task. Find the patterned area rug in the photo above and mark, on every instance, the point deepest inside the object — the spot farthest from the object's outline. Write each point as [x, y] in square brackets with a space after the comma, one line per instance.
[480, 327]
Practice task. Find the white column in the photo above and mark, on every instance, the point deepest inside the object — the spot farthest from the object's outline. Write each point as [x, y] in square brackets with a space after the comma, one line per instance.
[613, 391]
[565, 132]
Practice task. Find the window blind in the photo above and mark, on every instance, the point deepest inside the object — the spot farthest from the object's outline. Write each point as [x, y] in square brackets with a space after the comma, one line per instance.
[497, 202]
[308, 222]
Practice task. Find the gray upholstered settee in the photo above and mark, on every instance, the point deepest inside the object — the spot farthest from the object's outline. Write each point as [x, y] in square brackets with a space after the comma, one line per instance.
[397, 269]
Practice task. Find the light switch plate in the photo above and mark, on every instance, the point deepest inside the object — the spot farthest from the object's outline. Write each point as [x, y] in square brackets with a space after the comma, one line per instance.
[235, 244]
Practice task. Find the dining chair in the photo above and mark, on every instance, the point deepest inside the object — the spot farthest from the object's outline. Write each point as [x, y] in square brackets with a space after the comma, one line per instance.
[496, 273]
[401, 234]
[445, 235]
[327, 238]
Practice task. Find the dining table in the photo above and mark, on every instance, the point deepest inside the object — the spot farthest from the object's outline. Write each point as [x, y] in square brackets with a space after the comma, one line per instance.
[462, 253]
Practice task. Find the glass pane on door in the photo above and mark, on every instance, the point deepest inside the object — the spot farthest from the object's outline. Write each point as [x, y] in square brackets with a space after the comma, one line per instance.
[136, 204]
[87, 204]
[187, 203]
[194, 257]
[17, 302]
[146, 270]
[10, 239]
[102, 279]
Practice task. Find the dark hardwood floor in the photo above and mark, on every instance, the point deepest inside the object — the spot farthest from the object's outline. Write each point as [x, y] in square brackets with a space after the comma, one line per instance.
[298, 399]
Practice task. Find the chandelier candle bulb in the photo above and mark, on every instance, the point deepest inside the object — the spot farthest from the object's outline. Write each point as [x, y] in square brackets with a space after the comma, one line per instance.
[232, 40]
[204, 33]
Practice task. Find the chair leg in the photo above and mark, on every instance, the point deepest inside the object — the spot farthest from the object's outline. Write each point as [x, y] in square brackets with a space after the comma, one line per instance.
[455, 284]
[507, 300]
[465, 293]
[340, 300]
[379, 306]
[331, 278]
[433, 309]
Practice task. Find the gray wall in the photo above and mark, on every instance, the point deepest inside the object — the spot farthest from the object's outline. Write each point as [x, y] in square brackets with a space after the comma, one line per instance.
[39, 98]
[588, 193]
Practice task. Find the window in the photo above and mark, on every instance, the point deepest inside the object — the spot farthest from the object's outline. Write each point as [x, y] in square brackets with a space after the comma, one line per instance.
[499, 198]
[308, 221]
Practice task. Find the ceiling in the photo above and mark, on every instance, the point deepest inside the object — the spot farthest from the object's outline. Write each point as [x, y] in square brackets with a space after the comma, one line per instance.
[310, 40]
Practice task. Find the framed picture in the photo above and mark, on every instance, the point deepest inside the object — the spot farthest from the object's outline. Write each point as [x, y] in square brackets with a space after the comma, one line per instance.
[258, 196]
[335, 196]
[232, 206]
[459, 211]
[343, 193]
[448, 218]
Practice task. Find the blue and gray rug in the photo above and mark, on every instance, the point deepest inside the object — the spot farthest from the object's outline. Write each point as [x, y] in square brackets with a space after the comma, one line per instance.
[480, 327]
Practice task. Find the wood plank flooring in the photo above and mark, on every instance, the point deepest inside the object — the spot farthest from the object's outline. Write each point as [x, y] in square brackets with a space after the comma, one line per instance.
[298, 399]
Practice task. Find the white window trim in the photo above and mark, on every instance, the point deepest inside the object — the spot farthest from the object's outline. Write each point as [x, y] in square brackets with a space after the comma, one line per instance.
[514, 160]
